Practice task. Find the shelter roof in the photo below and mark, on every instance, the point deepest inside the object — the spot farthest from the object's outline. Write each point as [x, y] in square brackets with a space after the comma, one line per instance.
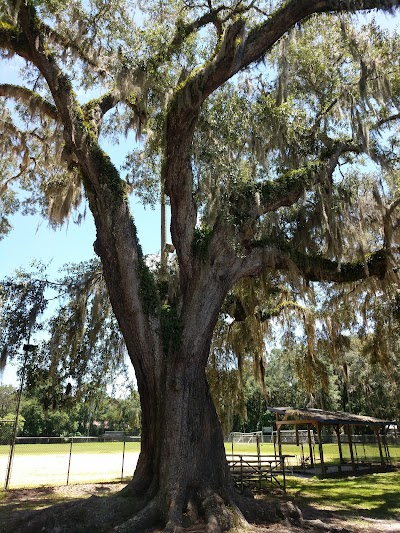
[328, 417]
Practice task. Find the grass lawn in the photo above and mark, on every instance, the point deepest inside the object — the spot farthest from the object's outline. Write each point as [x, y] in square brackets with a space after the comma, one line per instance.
[375, 496]
[372, 495]
[77, 447]
[39, 465]
[330, 450]
[51, 463]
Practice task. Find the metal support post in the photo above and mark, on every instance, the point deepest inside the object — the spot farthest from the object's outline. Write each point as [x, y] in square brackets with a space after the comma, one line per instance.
[27, 348]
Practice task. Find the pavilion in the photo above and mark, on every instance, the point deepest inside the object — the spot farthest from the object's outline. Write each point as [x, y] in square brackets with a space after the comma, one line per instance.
[343, 424]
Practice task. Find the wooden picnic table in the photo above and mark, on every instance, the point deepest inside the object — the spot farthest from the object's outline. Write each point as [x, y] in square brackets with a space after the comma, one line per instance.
[252, 470]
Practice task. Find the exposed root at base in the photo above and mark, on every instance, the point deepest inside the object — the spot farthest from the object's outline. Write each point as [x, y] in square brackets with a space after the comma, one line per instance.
[221, 516]
[270, 512]
[209, 508]
[149, 516]
[205, 510]
[214, 512]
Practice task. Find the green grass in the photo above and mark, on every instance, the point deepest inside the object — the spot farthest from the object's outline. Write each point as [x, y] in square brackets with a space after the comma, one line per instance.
[330, 450]
[372, 495]
[77, 447]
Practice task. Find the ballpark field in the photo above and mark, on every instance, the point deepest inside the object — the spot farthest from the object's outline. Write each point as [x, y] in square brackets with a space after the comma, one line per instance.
[36, 465]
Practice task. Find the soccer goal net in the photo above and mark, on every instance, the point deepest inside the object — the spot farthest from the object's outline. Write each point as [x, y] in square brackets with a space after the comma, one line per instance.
[248, 438]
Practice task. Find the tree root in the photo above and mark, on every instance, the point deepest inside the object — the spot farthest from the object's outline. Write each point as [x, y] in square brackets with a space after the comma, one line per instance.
[216, 513]
[149, 516]
[212, 511]
[221, 516]
[269, 512]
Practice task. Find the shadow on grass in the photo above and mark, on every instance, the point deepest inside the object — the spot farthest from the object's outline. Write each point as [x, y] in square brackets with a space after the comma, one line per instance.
[17, 505]
[374, 495]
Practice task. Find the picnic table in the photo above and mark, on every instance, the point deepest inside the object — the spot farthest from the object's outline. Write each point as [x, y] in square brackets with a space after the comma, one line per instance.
[252, 470]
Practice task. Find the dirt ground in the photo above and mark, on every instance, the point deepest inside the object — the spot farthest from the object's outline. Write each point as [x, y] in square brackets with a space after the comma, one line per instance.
[16, 503]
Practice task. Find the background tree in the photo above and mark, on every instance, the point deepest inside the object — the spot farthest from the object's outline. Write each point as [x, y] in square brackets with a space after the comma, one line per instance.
[86, 417]
[7, 399]
[257, 120]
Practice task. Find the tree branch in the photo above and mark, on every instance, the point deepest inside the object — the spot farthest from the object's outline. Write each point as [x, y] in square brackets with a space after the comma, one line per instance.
[235, 53]
[261, 39]
[177, 170]
[95, 109]
[5, 184]
[13, 40]
[376, 264]
[385, 121]
[128, 280]
[31, 99]
[238, 51]
[64, 42]
[315, 268]
[261, 258]
[254, 200]
[183, 31]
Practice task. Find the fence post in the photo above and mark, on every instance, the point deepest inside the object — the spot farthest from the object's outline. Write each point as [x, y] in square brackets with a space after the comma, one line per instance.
[241, 473]
[27, 348]
[123, 459]
[284, 473]
[69, 460]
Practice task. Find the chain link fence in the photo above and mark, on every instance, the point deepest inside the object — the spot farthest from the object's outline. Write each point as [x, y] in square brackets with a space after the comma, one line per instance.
[48, 461]
[6, 431]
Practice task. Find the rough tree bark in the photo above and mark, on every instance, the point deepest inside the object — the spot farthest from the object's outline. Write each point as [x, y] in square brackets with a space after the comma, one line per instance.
[182, 473]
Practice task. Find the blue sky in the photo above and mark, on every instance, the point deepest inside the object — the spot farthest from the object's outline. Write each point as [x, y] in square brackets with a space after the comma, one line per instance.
[32, 238]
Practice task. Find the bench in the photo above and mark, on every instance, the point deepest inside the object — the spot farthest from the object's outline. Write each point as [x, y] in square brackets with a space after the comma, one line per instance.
[251, 470]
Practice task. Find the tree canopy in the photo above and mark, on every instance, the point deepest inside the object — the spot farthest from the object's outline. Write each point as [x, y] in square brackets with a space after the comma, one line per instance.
[271, 130]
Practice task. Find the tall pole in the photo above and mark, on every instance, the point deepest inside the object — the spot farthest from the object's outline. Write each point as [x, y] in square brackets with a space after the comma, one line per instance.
[27, 348]
[350, 439]
[310, 448]
[321, 450]
[163, 233]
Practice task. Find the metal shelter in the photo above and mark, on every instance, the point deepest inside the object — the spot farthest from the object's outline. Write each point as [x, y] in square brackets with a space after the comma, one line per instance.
[317, 419]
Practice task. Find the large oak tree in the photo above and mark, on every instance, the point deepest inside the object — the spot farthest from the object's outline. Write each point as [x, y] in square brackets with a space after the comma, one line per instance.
[256, 121]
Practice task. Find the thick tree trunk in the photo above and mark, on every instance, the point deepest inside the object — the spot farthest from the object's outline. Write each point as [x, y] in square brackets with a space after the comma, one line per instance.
[182, 473]
[185, 468]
